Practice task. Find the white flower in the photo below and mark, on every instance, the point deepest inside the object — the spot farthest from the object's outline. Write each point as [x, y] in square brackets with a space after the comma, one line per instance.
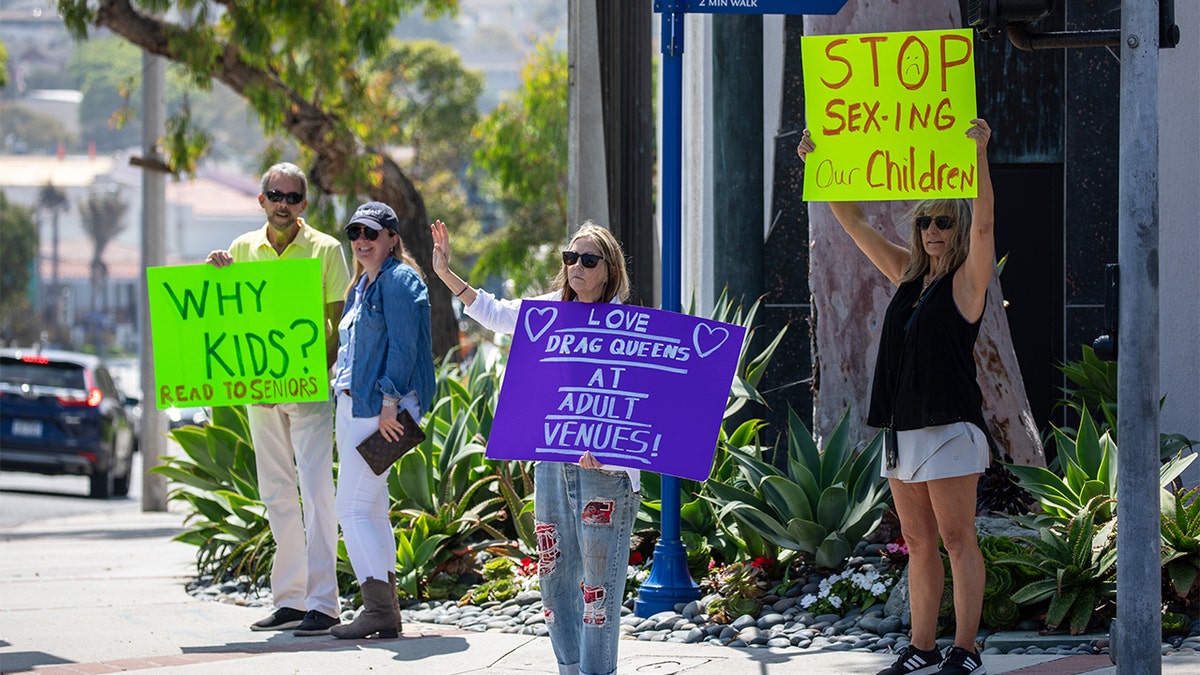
[808, 601]
[878, 589]
[835, 601]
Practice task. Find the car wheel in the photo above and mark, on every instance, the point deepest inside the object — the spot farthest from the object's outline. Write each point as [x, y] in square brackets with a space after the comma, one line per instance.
[102, 484]
[121, 483]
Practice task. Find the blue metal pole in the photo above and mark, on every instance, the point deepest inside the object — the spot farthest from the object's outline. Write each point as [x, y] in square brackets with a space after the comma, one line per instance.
[669, 582]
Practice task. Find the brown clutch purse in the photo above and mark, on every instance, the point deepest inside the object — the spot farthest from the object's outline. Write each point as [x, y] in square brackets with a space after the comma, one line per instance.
[381, 453]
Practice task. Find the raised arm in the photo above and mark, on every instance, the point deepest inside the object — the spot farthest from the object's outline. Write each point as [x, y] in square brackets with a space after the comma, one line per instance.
[971, 281]
[888, 256]
[441, 265]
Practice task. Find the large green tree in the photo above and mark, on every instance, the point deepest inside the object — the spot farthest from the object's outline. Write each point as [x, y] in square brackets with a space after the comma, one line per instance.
[18, 258]
[107, 72]
[523, 149]
[431, 110]
[299, 64]
[24, 131]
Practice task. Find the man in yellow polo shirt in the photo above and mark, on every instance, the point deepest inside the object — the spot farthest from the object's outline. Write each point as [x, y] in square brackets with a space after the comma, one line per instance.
[297, 438]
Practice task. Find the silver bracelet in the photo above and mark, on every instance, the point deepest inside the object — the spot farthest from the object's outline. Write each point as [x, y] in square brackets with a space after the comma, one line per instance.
[388, 403]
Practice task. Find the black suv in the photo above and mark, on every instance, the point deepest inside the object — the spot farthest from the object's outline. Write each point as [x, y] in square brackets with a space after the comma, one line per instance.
[61, 413]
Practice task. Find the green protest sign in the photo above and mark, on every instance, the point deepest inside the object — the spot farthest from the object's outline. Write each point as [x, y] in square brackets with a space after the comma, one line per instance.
[251, 332]
[888, 112]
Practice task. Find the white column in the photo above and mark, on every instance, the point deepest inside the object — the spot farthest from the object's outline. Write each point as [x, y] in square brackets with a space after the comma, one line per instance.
[1179, 204]
[697, 178]
[587, 177]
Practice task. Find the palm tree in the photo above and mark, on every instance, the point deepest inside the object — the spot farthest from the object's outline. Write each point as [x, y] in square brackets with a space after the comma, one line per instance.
[52, 200]
[103, 217]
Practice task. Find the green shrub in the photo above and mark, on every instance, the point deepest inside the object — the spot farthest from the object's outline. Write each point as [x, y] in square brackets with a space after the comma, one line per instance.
[1093, 387]
[1089, 464]
[698, 517]
[738, 586]
[1181, 544]
[1075, 565]
[1094, 390]
[500, 582]
[823, 502]
[216, 477]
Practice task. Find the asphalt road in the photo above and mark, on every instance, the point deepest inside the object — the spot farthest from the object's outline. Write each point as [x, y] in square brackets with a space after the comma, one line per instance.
[28, 497]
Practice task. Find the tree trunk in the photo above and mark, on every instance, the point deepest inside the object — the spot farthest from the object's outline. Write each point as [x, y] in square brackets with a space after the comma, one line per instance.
[315, 129]
[850, 296]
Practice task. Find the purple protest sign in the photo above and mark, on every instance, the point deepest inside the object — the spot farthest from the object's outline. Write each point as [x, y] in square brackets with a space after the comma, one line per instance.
[640, 388]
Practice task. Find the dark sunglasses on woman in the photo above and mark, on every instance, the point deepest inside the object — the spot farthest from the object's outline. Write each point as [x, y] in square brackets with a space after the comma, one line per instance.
[589, 260]
[354, 232]
[942, 222]
[292, 198]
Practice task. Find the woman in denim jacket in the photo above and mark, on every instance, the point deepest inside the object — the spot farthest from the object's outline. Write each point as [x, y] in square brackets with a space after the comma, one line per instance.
[583, 512]
[385, 362]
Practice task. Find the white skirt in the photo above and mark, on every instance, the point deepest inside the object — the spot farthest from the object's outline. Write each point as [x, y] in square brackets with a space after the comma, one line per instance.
[945, 451]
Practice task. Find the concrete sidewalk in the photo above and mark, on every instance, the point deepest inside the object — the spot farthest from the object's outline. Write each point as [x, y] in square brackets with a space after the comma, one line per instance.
[100, 594]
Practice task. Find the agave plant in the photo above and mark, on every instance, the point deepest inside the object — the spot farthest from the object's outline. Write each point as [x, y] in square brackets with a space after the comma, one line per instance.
[1089, 471]
[751, 367]
[1094, 390]
[823, 502]
[1181, 541]
[1094, 387]
[698, 518]
[1076, 563]
[217, 479]
[448, 501]
[461, 422]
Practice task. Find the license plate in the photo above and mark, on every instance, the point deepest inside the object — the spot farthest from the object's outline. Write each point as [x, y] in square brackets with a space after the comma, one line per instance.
[30, 428]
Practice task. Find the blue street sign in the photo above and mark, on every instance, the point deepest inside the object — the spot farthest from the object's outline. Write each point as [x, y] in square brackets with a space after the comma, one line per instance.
[750, 6]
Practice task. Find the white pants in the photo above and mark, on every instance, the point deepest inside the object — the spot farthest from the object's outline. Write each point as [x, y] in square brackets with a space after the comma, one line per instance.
[291, 439]
[362, 499]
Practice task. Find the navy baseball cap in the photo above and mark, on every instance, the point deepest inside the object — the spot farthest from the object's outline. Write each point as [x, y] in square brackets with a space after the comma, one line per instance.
[376, 215]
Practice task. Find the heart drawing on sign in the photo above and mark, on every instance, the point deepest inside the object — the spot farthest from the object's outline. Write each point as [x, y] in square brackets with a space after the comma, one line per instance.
[707, 339]
[536, 326]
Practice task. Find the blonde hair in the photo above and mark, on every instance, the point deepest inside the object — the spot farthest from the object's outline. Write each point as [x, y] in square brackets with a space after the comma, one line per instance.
[617, 285]
[958, 245]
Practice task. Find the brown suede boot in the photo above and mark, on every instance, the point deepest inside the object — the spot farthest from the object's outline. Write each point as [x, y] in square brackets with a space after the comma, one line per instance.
[378, 617]
[395, 601]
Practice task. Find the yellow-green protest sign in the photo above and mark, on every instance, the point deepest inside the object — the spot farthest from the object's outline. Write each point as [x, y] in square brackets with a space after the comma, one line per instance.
[250, 332]
[888, 114]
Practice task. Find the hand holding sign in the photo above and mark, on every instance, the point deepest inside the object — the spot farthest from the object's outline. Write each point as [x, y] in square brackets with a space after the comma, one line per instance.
[625, 386]
[896, 103]
[245, 333]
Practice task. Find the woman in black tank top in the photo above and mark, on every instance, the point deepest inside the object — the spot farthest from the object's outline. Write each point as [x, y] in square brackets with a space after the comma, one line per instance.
[924, 382]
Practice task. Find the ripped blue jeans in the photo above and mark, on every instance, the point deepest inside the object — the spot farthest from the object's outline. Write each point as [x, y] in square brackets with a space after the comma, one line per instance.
[583, 518]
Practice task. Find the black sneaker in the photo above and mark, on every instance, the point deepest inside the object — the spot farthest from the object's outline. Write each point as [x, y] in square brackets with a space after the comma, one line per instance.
[284, 618]
[315, 623]
[913, 661]
[962, 662]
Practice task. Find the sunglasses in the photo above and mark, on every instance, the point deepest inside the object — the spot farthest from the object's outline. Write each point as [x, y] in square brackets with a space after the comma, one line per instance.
[291, 197]
[353, 233]
[942, 222]
[589, 260]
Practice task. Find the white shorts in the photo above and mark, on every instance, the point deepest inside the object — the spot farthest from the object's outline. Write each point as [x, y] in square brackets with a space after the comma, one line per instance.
[945, 451]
